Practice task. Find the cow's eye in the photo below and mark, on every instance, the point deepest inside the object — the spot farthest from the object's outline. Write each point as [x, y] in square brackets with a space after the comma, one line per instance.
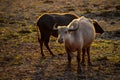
[58, 31]
[65, 32]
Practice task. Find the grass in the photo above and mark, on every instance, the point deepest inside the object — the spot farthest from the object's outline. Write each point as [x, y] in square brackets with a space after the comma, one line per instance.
[23, 54]
[21, 58]
[20, 52]
[105, 49]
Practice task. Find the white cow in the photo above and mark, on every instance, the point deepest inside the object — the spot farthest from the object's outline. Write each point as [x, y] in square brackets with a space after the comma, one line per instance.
[77, 36]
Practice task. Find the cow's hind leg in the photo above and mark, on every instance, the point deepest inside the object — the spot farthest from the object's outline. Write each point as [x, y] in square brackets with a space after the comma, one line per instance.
[41, 46]
[78, 60]
[47, 46]
[83, 56]
[88, 55]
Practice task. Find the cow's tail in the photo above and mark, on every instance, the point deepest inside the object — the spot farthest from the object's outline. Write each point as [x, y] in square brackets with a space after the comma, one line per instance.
[38, 33]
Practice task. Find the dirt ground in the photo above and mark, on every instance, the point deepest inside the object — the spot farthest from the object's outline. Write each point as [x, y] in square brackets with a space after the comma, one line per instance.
[20, 57]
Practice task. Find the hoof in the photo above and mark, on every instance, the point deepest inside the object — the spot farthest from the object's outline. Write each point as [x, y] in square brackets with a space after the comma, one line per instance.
[53, 55]
[69, 69]
[90, 64]
[79, 71]
[60, 54]
[82, 63]
[43, 57]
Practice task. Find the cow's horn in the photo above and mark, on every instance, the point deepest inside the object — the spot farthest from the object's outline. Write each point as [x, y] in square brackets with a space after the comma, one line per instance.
[74, 29]
[54, 26]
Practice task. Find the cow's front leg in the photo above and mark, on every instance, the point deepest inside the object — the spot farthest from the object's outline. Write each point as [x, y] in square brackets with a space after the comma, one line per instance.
[69, 57]
[78, 60]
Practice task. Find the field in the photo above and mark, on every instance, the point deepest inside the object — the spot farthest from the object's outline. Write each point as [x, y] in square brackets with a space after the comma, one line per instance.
[20, 57]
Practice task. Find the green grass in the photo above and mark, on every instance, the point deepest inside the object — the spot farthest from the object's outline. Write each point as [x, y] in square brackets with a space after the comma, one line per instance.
[106, 49]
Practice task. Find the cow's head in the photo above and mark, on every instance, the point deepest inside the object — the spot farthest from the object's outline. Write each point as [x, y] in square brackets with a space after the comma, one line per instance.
[97, 27]
[63, 33]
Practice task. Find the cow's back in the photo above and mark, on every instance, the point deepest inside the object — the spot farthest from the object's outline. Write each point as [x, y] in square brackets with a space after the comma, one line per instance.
[45, 22]
[87, 30]
[63, 19]
[60, 19]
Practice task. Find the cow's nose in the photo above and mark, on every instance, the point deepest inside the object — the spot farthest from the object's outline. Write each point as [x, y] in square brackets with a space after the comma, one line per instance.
[60, 40]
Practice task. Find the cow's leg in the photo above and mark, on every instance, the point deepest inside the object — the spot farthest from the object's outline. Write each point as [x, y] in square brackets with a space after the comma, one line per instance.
[78, 60]
[88, 54]
[46, 44]
[41, 46]
[83, 56]
[69, 57]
